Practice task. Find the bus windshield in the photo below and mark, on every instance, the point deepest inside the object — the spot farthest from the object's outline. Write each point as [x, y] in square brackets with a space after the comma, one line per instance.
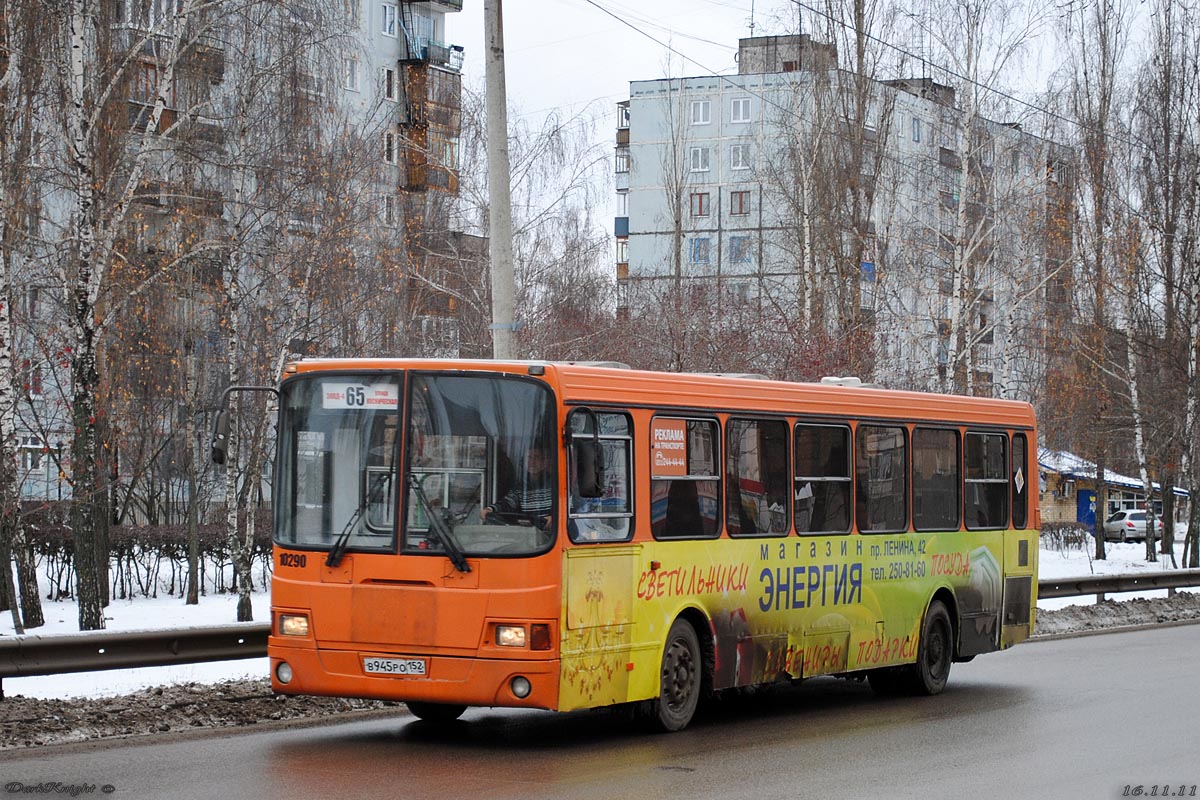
[478, 475]
[338, 454]
[481, 461]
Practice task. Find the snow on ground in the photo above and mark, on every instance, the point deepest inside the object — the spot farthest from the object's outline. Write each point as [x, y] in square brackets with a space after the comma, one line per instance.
[139, 614]
[171, 612]
[1127, 558]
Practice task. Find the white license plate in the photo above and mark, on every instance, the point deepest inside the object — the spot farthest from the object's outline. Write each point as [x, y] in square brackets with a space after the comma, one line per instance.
[394, 666]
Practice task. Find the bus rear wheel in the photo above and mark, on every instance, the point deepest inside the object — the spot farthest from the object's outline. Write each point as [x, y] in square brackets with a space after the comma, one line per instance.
[935, 653]
[679, 685]
[435, 712]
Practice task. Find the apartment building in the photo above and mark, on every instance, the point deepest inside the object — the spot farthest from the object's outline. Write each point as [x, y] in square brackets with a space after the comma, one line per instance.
[797, 185]
[325, 131]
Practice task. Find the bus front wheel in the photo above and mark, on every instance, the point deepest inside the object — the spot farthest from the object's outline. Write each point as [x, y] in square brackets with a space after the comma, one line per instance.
[679, 684]
[435, 712]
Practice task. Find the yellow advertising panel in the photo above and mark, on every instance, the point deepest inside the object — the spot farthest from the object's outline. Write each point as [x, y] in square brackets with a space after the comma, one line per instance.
[775, 608]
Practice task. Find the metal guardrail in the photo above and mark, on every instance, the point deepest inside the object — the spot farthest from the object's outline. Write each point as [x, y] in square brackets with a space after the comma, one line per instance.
[1105, 584]
[86, 652]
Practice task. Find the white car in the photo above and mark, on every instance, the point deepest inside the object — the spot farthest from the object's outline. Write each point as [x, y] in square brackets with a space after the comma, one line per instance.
[1126, 526]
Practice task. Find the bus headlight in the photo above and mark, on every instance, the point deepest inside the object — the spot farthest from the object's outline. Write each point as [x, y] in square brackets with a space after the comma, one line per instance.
[520, 687]
[510, 635]
[284, 672]
[293, 625]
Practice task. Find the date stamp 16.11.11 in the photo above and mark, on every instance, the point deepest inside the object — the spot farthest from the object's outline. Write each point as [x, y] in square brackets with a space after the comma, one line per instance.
[1161, 790]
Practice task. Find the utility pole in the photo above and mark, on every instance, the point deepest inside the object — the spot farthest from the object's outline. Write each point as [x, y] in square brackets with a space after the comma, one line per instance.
[500, 250]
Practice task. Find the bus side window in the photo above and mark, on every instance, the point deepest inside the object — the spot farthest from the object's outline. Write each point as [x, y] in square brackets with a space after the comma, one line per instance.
[756, 469]
[685, 485]
[881, 464]
[986, 480]
[822, 478]
[1020, 481]
[607, 517]
[936, 482]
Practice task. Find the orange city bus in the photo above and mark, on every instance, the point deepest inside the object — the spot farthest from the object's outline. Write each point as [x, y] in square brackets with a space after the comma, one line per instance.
[694, 533]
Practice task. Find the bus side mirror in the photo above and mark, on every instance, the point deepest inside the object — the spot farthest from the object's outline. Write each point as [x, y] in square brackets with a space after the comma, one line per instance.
[589, 466]
[220, 437]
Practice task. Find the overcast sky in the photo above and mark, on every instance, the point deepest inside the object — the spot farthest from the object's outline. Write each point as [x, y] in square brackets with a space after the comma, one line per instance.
[566, 53]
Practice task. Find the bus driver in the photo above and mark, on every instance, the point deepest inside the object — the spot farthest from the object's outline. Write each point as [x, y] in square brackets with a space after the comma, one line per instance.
[532, 497]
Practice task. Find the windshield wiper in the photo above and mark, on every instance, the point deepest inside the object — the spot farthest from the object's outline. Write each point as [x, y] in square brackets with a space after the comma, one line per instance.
[437, 524]
[339, 545]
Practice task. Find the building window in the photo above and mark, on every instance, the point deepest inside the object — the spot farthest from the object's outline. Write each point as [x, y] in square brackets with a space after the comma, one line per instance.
[622, 164]
[388, 20]
[32, 297]
[623, 114]
[701, 110]
[33, 453]
[32, 380]
[622, 250]
[739, 156]
[388, 210]
[145, 85]
[698, 159]
[389, 84]
[445, 152]
[739, 203]
[740, 110]
[916, 129]
[350, 66]
[739, 249]
[698, 250]
[700, 204]
[622, 204]
[390, 147]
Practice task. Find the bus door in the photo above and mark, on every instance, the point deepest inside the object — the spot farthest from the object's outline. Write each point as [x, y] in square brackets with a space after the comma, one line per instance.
[600, 569]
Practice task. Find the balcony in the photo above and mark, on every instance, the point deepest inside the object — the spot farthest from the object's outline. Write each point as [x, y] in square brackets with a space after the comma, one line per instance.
[438, 54]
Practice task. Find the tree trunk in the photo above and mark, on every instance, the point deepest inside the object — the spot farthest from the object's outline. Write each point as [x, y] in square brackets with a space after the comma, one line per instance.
[1101, 509]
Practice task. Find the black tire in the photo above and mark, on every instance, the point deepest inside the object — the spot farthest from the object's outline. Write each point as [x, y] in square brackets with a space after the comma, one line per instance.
[679, 686]
[435, 712]
[935, 653]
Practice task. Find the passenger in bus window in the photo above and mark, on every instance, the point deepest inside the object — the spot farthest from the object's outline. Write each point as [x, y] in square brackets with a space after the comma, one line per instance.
[532, 497]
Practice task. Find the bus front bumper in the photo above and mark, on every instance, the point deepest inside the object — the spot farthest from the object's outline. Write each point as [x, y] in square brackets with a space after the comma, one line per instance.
[447, 679]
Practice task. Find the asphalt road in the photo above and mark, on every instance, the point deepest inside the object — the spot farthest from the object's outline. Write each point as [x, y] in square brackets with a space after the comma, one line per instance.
[1069, 718]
